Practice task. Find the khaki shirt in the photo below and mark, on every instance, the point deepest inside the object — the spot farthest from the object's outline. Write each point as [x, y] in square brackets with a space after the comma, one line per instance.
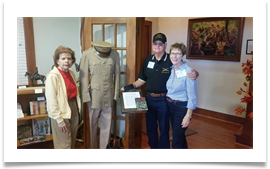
[104, 78]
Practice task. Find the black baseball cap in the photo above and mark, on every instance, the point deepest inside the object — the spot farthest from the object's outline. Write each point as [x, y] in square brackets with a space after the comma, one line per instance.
[160, 36]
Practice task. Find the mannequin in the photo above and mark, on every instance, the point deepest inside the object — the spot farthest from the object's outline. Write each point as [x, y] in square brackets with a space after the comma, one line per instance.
[102, 52]
[101, 89]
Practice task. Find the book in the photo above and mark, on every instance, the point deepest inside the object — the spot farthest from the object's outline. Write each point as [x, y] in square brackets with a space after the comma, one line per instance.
[36, 107]
[41, 126]
[32, 139]
[141, 103]
[46, 107]
[42, 109]
[34, 110]
[31, 108]
[24, 131]
[128, 102]
[19, 111]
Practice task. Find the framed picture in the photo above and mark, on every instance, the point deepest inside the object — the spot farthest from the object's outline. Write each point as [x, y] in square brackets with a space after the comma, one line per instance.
[249, 48]
[129, 103]
[217, 38]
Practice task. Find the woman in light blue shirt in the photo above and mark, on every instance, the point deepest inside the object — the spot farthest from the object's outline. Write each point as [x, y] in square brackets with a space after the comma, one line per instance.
[181, 96]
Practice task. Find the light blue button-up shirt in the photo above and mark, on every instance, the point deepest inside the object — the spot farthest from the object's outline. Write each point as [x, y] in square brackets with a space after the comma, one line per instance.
[181, 87]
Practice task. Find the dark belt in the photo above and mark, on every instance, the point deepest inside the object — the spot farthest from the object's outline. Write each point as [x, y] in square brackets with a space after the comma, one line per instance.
[72, 99]
[157, 95]
[171, 100]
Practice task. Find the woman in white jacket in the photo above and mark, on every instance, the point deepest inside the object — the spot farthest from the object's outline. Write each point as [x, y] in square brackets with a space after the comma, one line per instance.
[63, 101]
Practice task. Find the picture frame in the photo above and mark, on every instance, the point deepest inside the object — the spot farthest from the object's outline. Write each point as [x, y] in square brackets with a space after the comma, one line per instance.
[215, 38]
[130, 110]
[249, 47]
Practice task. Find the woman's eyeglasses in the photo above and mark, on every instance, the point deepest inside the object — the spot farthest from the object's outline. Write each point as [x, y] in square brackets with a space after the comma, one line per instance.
[176, 54]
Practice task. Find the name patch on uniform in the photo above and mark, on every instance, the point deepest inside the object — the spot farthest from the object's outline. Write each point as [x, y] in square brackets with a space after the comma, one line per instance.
[150, 65]
[165, 70]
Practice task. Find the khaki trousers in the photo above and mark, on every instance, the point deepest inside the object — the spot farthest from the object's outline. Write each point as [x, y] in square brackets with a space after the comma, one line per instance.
[66, 140]
[105, 117]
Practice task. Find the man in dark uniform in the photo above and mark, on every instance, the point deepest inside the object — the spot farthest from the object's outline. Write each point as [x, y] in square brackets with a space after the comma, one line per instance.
[155, 73]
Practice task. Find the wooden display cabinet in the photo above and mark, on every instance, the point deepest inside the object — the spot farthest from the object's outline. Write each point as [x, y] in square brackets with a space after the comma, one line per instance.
[24, 95]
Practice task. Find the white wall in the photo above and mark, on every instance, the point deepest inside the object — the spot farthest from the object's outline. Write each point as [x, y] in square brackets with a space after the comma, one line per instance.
[218, 80]
[51, 32]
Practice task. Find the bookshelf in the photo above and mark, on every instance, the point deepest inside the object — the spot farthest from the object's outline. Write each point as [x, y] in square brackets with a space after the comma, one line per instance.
[48, 138]
[30, 90]
[24, 96]
[32, 117]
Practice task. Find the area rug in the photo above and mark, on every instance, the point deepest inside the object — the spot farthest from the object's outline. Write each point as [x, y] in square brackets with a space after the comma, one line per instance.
[189, 132]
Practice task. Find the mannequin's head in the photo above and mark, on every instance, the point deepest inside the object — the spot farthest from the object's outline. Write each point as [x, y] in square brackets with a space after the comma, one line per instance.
[102, 51]
[103, 48]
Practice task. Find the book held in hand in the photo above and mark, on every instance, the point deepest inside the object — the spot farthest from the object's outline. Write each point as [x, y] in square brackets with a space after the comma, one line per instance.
[141, 103]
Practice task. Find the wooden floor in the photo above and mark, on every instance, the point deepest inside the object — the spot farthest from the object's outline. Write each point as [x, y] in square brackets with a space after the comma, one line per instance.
[212, 134]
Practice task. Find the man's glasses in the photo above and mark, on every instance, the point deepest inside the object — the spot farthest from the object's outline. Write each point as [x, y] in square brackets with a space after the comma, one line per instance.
[176, 54]
[158, 44]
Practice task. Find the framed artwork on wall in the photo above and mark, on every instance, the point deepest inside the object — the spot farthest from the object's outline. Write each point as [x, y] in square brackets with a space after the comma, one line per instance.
[216, 38]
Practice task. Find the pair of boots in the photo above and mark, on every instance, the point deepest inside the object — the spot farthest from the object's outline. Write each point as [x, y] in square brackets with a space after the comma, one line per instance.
[116, 143]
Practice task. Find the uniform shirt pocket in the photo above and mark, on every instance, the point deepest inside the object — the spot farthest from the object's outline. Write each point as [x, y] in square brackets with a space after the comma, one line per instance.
[110, 65]
[95, 68]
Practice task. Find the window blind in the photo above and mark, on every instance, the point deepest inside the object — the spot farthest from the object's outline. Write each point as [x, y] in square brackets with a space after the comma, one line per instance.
[21, 54]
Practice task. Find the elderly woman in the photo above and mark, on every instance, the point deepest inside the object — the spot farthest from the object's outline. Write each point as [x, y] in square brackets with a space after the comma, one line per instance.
[63, 101]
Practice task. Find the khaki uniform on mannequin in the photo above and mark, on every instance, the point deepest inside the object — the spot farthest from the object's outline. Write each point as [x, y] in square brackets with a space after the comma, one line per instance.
[103, 64]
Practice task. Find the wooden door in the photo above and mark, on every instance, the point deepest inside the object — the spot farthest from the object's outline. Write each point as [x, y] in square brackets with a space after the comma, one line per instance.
[147, 49]
[121, 32]
[147, 38]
